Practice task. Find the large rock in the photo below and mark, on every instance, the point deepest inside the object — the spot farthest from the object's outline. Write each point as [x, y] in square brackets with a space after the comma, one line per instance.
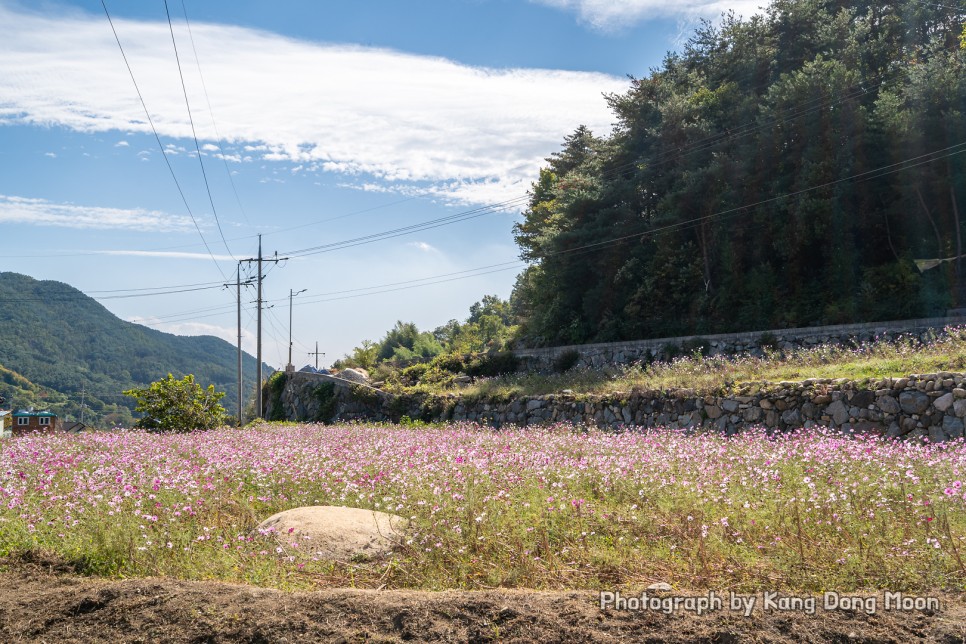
[354, 375]
[913, 402]
[335, 532]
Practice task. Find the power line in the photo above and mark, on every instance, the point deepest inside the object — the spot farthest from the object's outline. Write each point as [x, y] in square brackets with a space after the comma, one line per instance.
[76, 298]
[158, 139]
[194, 135]
[154, 288]
[418, 227]
[684, 225]
[211, 112]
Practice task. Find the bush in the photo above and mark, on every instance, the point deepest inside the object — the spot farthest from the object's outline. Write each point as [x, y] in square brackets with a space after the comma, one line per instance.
[492, 364]
[413, 374]
[273, 400]
[452, 362]
[178, 405]
[327, 398]
[566, 361]
[768, 341]
[670, 351]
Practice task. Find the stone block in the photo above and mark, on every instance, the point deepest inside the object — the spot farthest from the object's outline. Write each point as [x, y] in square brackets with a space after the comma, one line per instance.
[792, 417]
[952, 427]
[862, 398]
[838, 411]
[888, 404]
[913, 402]
[944, 402]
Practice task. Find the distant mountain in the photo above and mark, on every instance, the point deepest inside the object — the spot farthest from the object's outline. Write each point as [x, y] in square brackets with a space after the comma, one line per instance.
[61, 349]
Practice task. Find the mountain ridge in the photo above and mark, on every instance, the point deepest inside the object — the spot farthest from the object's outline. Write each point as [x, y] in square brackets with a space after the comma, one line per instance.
[80, 357]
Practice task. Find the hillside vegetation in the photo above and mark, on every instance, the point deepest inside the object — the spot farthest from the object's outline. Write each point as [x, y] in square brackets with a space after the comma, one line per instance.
[492, 376]
[59, 347]
[792, 169]
[800, 168]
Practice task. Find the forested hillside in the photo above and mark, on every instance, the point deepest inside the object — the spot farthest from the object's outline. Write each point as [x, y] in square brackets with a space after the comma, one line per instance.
[785, 170]
[59, 348]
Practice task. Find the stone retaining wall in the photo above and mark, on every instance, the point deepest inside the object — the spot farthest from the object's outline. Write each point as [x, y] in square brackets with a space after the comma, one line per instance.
[929, 406]
[752, 343]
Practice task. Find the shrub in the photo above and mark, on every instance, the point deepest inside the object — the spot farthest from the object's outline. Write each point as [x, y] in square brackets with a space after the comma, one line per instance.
[413, 374]
[768, 341]
[492, 364]
[274, 387]
[327, 398]
[178, 405]
[566, 360]
[670, 351]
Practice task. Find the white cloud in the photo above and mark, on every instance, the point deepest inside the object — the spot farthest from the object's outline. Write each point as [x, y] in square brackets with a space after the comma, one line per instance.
[40, 212]
[356, 111]
[614, 14]
[121, 144]
[423, 246]
[165, 254]
[229, 334]
[52, 155]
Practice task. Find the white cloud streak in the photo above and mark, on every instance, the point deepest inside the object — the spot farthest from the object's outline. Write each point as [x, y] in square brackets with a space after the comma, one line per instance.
[609, 15]
[346, 109]
[40, 212]
[164, 254]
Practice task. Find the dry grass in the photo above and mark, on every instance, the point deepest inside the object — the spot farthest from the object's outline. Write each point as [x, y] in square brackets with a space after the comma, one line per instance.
[720, 374]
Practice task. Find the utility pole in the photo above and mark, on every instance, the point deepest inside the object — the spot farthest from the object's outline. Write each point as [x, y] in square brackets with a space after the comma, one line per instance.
[241, 421]
[258, 369]
[316, 354]
[291, 367]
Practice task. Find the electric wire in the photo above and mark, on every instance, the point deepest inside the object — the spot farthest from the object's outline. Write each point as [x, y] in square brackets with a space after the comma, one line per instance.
[211, 112]
[684, 225]
[194, 134]
[158, 139]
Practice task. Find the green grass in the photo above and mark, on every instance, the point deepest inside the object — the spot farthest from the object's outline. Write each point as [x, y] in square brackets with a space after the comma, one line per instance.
[720, 374]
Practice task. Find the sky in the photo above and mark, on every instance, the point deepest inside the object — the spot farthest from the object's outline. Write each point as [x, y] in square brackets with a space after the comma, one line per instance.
[382, 150]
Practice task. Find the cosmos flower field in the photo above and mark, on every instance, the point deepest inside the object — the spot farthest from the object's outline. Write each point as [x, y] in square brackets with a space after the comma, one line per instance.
[555, 507]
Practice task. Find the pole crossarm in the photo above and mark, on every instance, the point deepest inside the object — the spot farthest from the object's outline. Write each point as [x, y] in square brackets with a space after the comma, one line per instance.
[259, 278]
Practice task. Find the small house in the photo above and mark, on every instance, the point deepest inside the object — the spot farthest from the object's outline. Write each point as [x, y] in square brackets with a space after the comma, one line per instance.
[5, 422]
[26, 421]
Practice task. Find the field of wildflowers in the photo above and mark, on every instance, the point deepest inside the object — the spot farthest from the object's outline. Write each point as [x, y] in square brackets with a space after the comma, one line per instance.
[554, 507]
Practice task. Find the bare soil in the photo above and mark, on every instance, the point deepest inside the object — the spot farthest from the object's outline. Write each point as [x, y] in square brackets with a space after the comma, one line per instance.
[46, 603]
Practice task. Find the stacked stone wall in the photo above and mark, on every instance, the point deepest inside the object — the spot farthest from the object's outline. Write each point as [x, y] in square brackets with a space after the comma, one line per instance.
[931, 406]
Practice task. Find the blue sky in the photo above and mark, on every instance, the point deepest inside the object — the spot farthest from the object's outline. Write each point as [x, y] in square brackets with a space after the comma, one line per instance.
[317, 123]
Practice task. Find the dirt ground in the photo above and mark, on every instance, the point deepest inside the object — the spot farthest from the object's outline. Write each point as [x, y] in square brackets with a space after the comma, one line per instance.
[41, 603]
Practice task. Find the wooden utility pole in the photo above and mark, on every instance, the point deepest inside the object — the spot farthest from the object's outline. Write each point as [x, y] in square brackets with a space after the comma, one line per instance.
[316, 354]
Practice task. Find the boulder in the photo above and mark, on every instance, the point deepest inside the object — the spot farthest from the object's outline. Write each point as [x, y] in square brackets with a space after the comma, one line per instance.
[944, 402]
[335, 532]
[354, 375]
[913, 402]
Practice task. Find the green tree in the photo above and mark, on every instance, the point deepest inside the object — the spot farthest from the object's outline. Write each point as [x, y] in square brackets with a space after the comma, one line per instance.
[172, 405]
[780, 171]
